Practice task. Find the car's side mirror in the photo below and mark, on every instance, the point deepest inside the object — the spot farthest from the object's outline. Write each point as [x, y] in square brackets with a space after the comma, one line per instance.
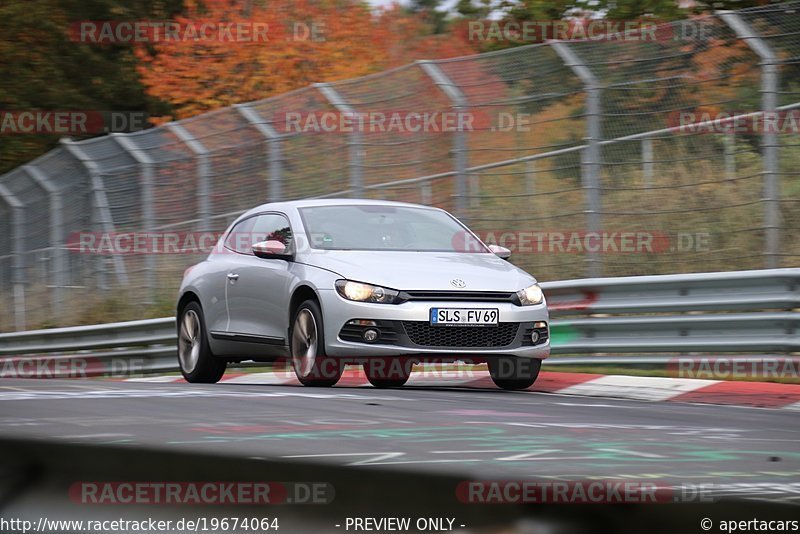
[500, 252]
[271, 249]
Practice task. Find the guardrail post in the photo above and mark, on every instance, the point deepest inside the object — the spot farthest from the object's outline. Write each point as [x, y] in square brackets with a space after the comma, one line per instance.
[17, 210]
[460, 163]
[203, 173]
[57, 237]
[102, 212]
[274, 149]
[769, 138]
[146, 182]
[356, 152]
[591, 157]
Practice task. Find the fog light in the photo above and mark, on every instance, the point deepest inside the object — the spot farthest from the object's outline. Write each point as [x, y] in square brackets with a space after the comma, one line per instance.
[362, 322]
[370, 335]
[534, 337]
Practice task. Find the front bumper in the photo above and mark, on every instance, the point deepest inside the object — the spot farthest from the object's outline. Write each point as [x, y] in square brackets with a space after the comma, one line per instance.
[338, 311]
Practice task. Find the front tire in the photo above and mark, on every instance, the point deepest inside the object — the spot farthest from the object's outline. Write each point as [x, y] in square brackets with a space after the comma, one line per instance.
[307, 344]
[388, 372]
[198, 364]
[514, 373]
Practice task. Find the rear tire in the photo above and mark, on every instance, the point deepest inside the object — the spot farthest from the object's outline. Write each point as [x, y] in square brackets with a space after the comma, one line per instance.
[514, 373]
[307, 344]
[198, 364]
[388, 372]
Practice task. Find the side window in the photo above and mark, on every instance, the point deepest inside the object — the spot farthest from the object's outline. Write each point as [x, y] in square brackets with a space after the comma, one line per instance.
[238, 239]
[269, 226]
[272, 227]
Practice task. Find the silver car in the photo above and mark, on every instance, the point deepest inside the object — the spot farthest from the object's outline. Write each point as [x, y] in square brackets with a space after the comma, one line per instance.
[325, 283]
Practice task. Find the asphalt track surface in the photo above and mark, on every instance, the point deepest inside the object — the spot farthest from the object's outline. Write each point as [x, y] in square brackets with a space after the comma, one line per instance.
[479, 434]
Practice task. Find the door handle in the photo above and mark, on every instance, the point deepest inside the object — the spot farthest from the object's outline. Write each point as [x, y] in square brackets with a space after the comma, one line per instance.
[233, 277]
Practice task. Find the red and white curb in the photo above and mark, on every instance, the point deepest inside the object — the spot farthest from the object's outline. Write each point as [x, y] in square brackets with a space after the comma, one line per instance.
[757, 394]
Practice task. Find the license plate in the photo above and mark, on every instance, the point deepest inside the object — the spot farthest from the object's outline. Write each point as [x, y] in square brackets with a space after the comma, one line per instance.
[464, 316]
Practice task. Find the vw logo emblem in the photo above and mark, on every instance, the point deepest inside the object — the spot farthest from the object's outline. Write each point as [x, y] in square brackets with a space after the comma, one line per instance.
[458, 282]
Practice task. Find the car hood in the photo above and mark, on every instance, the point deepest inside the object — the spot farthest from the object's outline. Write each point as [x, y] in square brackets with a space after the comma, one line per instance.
[423, 270]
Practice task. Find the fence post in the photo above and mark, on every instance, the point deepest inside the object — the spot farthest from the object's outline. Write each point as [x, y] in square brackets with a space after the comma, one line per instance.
[102, 211]
[769, 138]
[145, 163]
[355, 149]
[530, 175]
[460, 164]
[591, 157]
[57, 238]
[426, 193]
[274, 156]
[203, 173]
[17, 210]
[647, 161]
[729, 141]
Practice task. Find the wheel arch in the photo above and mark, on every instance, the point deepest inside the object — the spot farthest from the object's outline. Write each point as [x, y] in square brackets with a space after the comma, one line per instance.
[186, 298]
[302, 293]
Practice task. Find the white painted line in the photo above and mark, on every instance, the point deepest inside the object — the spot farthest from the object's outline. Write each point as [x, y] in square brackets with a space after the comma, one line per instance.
[527, 455]
[272, 379]
[449, 379]
[158, 379]
[794, 407]
[484, 451]
[376, 456]
[636, 387]
[95, 436]
[633, 453]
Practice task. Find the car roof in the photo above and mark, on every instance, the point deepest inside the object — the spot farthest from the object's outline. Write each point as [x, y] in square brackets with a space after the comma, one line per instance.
[307, 203]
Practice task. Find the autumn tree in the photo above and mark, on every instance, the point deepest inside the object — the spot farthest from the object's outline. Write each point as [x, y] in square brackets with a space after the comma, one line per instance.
[43, 67]
[307, 41]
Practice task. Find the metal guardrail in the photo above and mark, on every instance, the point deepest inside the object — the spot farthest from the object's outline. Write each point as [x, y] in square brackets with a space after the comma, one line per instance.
[708, 313]
[774, 289]
[131, 347]
[100, 336]
[745, 332]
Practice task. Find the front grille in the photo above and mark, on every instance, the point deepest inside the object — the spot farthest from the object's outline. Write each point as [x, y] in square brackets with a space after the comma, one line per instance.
[423, 334]
[481, 296]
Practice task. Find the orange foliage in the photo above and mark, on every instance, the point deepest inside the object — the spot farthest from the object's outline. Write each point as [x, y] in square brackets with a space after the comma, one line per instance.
[199, 75]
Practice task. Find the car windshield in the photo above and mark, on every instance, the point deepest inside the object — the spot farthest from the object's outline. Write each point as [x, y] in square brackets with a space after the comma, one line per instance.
[384, 227]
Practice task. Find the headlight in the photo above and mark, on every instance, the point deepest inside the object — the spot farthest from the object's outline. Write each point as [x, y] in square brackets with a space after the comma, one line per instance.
[366, 292]
[530, 295]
